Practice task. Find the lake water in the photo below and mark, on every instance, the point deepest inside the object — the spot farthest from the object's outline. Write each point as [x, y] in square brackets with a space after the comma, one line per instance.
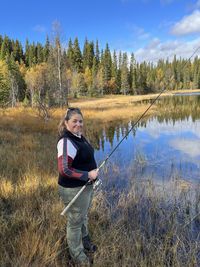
[165, 146]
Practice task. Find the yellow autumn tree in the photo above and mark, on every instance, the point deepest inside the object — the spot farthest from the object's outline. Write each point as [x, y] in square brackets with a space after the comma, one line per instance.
[4, 83]
[37, 82]
[88, 78]
[159, 83]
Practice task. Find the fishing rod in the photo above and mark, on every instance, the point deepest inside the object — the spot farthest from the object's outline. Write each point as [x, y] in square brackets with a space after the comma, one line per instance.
[97, 182]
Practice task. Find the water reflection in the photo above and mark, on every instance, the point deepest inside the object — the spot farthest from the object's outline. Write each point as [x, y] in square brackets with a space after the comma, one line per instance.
[179, 108]
[189, 147]
[165, 146]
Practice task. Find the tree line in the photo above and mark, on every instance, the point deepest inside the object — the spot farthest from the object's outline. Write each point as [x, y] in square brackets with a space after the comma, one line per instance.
[49, 73]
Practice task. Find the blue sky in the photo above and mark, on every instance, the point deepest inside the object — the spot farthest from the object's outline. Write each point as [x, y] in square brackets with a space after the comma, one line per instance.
[151, 29]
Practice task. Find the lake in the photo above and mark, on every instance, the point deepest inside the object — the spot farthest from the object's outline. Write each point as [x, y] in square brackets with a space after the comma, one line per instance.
[163, 147]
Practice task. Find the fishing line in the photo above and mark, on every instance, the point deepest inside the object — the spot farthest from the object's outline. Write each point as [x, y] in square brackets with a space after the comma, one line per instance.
[98, 181]
[144, 113]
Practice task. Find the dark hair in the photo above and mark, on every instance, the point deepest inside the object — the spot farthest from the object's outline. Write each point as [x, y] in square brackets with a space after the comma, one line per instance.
[70, 112]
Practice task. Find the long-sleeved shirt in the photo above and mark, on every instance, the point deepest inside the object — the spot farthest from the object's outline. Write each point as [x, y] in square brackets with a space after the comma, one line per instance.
[75, 160]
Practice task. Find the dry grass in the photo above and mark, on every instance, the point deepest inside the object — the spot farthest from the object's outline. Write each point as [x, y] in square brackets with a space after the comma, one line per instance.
[145, 227]
[114, 108]
[119, 107]
[141, 227]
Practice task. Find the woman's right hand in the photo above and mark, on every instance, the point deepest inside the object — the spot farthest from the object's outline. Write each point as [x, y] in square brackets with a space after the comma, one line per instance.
[92, 175]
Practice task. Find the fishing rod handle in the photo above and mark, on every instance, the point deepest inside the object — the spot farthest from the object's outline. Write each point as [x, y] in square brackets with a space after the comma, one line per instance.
[81, 190]
[73, 200]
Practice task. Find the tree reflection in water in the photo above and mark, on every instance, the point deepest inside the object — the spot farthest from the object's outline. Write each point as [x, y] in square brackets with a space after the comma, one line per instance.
[153, 148]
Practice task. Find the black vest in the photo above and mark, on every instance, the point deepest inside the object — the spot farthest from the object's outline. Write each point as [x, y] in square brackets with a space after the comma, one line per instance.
[83, 161]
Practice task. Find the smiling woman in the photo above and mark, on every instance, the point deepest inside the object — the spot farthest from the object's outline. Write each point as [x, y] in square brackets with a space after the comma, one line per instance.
[76, 166]
[74, 124]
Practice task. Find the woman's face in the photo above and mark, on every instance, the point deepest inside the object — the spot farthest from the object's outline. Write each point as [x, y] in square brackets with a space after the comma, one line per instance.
[75, 124]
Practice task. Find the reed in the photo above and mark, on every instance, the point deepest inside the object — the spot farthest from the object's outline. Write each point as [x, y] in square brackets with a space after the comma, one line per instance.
[147, 225]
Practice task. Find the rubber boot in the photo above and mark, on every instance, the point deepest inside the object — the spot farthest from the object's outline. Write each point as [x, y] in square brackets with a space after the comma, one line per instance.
[88, 245]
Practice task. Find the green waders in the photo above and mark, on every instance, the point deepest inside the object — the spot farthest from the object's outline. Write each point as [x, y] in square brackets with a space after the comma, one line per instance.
[77, 219]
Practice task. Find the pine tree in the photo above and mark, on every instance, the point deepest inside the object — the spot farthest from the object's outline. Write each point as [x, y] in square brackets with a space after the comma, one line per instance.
[6, 48]
[132, 75]
[114, 64]
[64, 62]
[93, 91]
[114, 73]
[17, 51]
[107, 66]
[119, 81]
[142, 78]
[39, 53]
[32, 55]
[179, 73]
[46, 50]
[85, 54]
[27, 49]
[196, 73]
[186, 78]
[95, 70]
[195, 80]
[120, 60]
[125, 87]
[17, 83]
[77, 56]
[90, 54]
[4, 84]
[97, 54]
[70, 54]
[151, 78]
[96, 61]
[1, 41]
[174, 68]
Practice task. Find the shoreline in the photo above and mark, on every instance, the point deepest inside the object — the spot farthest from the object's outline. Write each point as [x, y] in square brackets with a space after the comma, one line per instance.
[120, 107]
[107, 98]
[109, 108]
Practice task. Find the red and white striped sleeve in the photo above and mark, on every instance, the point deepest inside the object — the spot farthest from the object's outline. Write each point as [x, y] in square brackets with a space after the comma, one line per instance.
[66, 154]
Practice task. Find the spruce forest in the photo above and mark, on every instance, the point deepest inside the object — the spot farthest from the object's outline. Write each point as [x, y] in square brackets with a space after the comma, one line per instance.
[50, 73]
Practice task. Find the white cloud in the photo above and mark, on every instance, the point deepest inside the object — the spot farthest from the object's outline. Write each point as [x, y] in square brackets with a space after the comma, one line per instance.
[39, 28]
[155, 128]
[187, 146]
[156, 50]
[188, 25]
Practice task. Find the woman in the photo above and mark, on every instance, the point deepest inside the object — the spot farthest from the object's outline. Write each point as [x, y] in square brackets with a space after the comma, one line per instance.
[76, 165]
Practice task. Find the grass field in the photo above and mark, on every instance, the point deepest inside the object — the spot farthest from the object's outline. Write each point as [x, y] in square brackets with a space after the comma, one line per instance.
[146, 226]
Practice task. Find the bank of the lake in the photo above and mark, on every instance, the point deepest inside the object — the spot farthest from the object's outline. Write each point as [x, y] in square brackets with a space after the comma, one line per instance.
[120, 107]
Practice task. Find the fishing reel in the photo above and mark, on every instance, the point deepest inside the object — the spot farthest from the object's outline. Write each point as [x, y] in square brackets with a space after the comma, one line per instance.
[97, 184]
